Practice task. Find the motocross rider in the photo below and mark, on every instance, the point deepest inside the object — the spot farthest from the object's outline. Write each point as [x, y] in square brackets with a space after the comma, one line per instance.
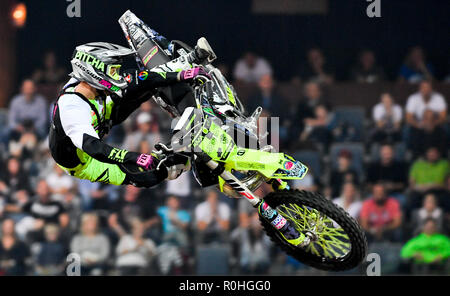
[98, 97]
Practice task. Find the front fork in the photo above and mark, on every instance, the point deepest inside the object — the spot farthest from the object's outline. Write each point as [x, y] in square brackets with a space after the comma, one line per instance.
[265, 211]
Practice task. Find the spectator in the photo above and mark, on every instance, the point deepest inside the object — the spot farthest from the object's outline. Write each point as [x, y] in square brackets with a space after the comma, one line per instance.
[429, 251]
[212, 219]
[388, 170]
[42, 210]
[59, 183]
[15, 185]
[430, 135]
[349, 200]
[28, 111]
[428, 210]
[174, 222]
[51, 254]
[344, 173]
[250, 68]
[252, 246]
[13, 252]
[318, 128]
[388, 119]
[147, 131]
[134, 252]
[92, 246]
[133, 203]
[366, 70]
[417, 104]
[51, 72]
[381, 216]
[427, 175]
[415, 68]
[316, 69]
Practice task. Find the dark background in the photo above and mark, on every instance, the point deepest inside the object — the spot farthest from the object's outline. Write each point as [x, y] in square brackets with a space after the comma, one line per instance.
[231, 28]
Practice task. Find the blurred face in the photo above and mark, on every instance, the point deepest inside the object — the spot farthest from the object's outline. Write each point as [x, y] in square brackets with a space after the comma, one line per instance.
[348, 192]
[429, 228]
[367, 59]
[146, 106]
[212, 198]
[8, 227]
[387, 100]
[13, 166]
[429, 202]
[321, 112]
[90, 225]
[416, 55]
[379, 194]
[343, 162]
[266, 83]
[131, 193]
[173, 203]
[312, 90]
[315, 57]
[50, 60]
[250, 60]
[425, 89]
[386, 154]
[42, 190]
[28, 89]
[51, 235]
[432, 155]
[144, 127]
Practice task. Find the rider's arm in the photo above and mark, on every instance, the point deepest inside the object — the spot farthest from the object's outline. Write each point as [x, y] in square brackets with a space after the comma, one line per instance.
[76, 120]
[138, 92]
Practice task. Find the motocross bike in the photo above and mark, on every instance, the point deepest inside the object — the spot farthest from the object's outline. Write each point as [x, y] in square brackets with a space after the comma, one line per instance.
[225, 151]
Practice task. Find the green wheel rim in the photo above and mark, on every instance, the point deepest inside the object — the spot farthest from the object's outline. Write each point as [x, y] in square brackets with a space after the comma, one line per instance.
[330, 241]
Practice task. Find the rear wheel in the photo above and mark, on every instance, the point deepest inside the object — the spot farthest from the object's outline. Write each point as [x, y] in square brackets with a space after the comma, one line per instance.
[337, 241]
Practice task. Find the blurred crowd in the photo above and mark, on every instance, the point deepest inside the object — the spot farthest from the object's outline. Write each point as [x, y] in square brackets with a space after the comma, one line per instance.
[389, 170]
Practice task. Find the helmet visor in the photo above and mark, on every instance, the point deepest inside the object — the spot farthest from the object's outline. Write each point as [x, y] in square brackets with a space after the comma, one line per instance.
[113, 71]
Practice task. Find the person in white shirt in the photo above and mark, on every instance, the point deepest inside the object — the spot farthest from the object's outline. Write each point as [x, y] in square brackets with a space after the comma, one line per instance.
[212, 219]
[388, 118]
[349, 200]
[251, 68]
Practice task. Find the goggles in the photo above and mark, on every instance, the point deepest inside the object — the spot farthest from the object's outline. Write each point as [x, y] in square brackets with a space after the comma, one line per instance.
[113, 71]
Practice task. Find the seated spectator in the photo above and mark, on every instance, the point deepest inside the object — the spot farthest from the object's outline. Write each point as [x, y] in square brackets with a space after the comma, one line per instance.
[175, 222]
[23, 145]
[312, 97]
[27, 112]
[250, 68]
[251, 246]
[415, 68]
[134, 252]
[147, 130]
[14, 186]
[431, 135]
[50, 72]
[316, 69]
[51, 254]
[13, 252]
[212, 219]
[366, 70]
[92, 246]
[59, 183]
[388, 120]
[42, 210]
[391, 172]
[429, 173]
[318, 128]
[133, 203]
[429, 251]
[349, 200]
[343, 173]
[428, 210]
[381, 216]
[424, 99]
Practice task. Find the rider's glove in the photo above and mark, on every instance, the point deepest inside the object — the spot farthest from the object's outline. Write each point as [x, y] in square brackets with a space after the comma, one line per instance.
[145, 161]
[194, 73]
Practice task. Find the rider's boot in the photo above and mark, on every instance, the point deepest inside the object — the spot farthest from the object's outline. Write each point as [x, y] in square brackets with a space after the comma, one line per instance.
[202, 53]
[284, 227]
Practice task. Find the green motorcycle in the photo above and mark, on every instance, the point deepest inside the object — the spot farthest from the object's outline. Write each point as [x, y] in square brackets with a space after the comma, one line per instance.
[225, 150]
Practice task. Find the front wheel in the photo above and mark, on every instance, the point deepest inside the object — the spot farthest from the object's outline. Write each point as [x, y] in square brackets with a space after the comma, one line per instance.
[337, 241]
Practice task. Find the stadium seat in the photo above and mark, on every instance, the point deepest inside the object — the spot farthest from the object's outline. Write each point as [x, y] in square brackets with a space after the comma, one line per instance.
[349, 124]
[212, 260]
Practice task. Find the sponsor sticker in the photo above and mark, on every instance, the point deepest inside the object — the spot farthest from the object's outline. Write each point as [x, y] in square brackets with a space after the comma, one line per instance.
[288, 165]
[151, 53]
[143, 75]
